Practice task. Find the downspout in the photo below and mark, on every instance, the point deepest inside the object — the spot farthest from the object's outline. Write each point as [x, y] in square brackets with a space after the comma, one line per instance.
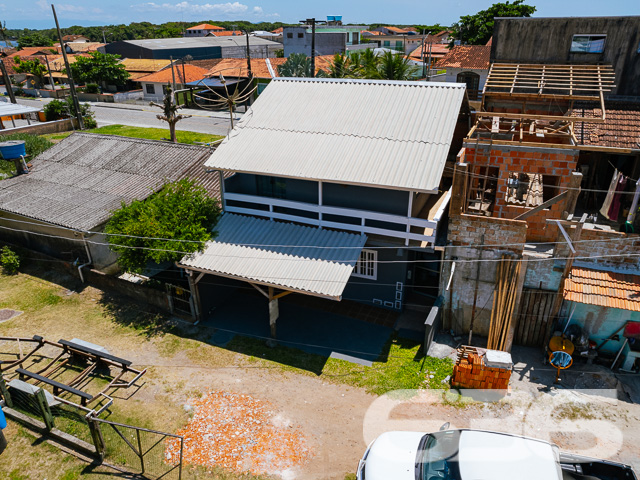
[89, 260]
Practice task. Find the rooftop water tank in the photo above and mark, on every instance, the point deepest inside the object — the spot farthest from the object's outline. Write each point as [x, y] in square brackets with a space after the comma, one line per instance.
[12, 149]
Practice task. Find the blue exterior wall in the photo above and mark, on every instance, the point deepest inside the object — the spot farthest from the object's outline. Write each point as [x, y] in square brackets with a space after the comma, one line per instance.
[381, 200]
[600, 322]
[384, 287]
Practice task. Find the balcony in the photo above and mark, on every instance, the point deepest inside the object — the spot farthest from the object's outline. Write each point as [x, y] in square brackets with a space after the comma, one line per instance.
[409, 230]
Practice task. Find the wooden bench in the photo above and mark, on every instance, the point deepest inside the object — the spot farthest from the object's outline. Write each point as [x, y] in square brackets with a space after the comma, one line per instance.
[57, 386]
[95, 353]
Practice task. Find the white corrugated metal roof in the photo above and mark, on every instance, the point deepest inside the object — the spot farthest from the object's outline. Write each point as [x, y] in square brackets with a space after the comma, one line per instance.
[368, 132]
[284, 255]
[9, 109]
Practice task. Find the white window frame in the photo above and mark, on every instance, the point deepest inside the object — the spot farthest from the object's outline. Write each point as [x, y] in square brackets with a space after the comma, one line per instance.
[367, 265]
[589, 36]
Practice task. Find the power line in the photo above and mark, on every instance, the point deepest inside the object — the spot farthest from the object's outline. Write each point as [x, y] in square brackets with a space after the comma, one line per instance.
[321, 247]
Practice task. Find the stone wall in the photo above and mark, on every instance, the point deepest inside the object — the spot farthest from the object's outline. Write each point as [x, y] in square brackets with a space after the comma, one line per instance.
[56, 126]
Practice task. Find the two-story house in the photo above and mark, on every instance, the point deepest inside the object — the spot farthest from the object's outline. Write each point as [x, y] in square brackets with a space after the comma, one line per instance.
[337, 190]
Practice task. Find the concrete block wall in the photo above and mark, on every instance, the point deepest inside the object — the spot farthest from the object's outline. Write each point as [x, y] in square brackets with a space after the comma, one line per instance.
[536, 160]
[502, 232]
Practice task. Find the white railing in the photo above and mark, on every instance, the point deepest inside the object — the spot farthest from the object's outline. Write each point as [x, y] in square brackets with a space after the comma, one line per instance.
[361, 216]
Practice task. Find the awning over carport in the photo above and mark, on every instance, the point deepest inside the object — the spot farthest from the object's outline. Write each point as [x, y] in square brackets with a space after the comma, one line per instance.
[281, 255]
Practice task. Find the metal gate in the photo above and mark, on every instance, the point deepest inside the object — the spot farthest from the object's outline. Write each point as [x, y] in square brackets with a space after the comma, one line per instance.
[140, 451]
[534, 317]
[180, 300]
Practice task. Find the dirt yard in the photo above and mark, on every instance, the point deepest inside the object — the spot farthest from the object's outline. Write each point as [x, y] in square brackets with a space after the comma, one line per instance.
[335, 420]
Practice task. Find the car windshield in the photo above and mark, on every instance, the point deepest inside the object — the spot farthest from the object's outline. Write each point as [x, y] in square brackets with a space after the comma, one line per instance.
[437, 457]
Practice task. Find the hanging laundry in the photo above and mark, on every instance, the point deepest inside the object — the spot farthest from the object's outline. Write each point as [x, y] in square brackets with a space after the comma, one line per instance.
[614, 210]
[604, 211]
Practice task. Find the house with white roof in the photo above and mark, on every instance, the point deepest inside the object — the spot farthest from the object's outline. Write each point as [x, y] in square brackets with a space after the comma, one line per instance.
[327, 202]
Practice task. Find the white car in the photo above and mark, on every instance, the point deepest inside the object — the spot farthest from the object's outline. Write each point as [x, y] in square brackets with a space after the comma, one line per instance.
[478, 455]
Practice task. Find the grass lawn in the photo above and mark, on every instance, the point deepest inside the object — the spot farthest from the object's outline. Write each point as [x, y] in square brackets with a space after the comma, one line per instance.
[141, 132]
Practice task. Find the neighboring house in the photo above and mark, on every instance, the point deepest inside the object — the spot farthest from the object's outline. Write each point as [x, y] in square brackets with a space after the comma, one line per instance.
[202, 30]
[275, 37]
[154, 85]
[298, 40]
[540, 186]
[75, 38]
[311, 177]
[395, 30]
[573, 40]
[61, 206]
[141, 67]
[81, 47]
[468, 64]
[224, 33]
[198, 48]
[401, 43]
[429, 53]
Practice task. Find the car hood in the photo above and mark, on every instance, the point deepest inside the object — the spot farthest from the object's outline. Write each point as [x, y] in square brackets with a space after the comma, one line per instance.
[393, 456]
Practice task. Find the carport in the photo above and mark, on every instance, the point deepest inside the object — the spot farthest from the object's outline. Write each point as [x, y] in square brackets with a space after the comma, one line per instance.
[276, 259]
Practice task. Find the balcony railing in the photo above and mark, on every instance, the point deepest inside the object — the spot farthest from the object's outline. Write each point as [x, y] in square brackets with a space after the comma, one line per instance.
[360, 221]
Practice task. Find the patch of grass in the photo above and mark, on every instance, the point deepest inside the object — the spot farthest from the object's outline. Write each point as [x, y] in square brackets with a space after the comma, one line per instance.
[575, 411]
[401, 367]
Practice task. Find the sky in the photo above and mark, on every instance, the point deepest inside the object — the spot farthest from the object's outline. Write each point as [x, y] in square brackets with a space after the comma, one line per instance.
[37, 14]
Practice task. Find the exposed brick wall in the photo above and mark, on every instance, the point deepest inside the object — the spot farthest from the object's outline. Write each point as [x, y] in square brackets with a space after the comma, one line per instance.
[600, 245]
[469, 229]
[513, 159]
[471, 372]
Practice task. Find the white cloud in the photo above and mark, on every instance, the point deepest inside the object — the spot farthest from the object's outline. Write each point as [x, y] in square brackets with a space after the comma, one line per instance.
[257, 10]
[211, 8]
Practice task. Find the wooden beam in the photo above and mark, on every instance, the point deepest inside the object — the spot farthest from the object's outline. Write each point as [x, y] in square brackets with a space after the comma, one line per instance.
[260, 290]
[544, 96]
[573, 191]
[552, 118]
[586, 148]
[281, 294]
[542, 206]
[566, 237]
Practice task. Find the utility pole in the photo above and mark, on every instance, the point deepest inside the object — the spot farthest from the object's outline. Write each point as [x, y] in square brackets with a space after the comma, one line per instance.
[46, 58]
[246, 32]
[173, 75]
[7, 82]
[424, 65]
[72, 87]
[312, 22]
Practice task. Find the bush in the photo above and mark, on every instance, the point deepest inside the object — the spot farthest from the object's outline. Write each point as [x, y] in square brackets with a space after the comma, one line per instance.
[92, 88]
[9, 260]
[90, 122]
[55, 110]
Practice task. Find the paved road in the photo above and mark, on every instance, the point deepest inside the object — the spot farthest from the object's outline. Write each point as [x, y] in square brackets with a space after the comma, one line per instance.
[216, 123]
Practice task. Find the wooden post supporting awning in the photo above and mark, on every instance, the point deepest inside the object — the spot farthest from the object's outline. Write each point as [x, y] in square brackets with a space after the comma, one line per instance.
[274, 311]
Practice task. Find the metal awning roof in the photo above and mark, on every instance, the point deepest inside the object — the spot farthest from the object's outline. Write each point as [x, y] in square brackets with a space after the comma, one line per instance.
[212, 82]
[10, 109]
[282, 255]
[389, 134]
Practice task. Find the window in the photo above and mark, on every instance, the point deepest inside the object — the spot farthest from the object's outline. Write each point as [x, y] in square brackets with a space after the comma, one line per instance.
[300, 35]
[271, 186]
[387, 43]
[588, 43]
[289, 35]
[367, 265]
[151, 89]
[398, 43]
[530, 189]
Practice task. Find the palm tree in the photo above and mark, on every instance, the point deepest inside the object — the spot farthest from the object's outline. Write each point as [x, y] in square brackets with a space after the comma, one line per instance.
[395, 66]
[369, 63]
[170, 115]
[340, 66]
[297, 65]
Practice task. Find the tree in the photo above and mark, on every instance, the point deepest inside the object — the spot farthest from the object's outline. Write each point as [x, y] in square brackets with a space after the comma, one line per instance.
[395, 66]
[297, 65]
[35, 39]
[340, 66]
[102, 68]
[175, 221]
[477, 29]
[170, 115]
[32, 67]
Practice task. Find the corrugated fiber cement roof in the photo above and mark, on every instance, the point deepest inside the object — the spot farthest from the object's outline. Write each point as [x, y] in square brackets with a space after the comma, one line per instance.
[603, 288]
[78, 182]
[367, 132]
[284, 255]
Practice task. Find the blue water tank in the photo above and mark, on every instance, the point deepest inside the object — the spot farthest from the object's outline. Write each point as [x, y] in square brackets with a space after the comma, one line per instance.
[12, 149]
[331, 18]
[338, 18]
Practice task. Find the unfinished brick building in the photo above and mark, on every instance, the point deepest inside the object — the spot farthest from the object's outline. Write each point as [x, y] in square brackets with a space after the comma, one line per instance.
[528, 186]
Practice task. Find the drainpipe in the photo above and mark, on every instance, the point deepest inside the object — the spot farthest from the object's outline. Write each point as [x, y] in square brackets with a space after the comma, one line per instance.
[89, 261]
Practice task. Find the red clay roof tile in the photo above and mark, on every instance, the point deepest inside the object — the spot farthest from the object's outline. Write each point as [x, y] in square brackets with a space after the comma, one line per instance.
[602, 288]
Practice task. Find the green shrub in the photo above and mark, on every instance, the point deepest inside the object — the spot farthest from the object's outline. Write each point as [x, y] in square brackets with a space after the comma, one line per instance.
[55, 110]
[9, 260]
[92, 88]
[90, 122]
